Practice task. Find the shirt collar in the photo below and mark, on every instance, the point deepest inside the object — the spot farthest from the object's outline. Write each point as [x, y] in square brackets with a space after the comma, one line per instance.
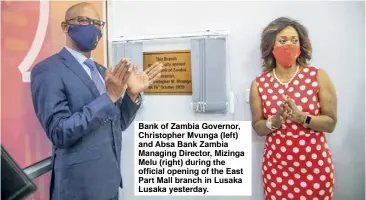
[77, 55]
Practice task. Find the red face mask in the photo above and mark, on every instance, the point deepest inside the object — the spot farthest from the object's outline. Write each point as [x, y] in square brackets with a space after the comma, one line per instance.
[286, 55]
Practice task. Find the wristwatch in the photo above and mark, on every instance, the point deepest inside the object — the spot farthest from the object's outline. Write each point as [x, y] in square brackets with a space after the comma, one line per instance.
[269, 124]
[306, 122]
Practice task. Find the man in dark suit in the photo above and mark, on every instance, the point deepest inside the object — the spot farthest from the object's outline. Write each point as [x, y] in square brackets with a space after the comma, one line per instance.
[80, 107]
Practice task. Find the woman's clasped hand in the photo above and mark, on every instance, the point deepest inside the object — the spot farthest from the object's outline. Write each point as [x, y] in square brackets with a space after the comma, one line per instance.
[287, 110]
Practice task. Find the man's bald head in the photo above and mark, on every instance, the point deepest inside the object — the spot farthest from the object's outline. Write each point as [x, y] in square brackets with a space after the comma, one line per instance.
[82, 9]
[82, 27]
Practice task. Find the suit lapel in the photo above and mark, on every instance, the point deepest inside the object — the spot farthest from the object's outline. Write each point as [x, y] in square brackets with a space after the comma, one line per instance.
[78, 70]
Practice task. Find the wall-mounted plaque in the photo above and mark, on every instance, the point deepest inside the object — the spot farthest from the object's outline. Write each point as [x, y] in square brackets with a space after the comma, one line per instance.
[176, 76]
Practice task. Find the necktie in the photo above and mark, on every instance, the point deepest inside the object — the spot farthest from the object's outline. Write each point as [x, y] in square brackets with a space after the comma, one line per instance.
[95, 76]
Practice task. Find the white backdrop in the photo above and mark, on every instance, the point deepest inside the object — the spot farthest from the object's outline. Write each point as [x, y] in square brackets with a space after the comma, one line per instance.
[337, 31]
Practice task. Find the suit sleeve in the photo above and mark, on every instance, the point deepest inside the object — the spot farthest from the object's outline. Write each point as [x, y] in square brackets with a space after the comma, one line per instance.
[50, 102]
[128, 110]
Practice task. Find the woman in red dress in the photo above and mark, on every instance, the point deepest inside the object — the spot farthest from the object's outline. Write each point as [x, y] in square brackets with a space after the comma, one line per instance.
[292, 105]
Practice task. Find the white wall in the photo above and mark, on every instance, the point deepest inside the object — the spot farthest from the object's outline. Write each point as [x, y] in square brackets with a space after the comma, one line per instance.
[337, 31]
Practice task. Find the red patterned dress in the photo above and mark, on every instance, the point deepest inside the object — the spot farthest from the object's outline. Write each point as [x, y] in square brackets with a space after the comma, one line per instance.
[297, 163]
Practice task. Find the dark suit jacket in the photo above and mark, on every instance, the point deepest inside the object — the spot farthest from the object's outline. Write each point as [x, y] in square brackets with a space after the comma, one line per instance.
[84, 127]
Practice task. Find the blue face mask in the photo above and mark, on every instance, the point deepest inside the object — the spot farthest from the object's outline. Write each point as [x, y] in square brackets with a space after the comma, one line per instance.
[85, 37]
